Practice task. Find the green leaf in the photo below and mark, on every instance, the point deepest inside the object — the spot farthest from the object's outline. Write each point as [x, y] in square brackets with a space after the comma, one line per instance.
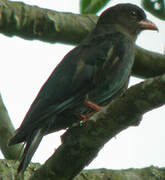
[92, 6]
[155, 7]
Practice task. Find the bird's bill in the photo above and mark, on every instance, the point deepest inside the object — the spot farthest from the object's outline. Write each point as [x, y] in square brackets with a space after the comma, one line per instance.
[148, 25]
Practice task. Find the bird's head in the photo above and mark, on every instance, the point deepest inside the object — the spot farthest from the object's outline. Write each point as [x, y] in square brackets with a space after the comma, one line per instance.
[128, 18]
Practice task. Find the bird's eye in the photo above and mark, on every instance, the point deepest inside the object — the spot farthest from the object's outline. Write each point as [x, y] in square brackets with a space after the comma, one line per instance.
[133, 13]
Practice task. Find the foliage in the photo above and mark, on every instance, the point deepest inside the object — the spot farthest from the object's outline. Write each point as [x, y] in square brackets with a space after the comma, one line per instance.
[92, 6]
[155, 7]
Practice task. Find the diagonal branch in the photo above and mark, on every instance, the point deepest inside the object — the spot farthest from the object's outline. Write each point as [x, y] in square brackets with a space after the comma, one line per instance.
[82, 144]
[6, 132]
[32, 22]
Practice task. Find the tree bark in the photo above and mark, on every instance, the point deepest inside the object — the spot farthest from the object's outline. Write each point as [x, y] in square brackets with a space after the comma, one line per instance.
[148, 64]
[8, 172]
[149, 173]
[6, 132]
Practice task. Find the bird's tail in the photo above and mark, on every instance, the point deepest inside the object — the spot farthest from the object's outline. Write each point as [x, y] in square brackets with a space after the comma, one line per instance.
[31, 145]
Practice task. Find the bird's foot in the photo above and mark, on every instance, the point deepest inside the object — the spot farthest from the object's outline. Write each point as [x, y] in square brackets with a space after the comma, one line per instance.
[85, 117]
[93, 106]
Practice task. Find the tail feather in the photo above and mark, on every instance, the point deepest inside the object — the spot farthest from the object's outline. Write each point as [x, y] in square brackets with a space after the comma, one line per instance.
[30, 148]
[17, 138]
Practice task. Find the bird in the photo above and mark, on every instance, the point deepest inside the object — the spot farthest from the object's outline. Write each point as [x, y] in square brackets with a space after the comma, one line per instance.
[87, 77]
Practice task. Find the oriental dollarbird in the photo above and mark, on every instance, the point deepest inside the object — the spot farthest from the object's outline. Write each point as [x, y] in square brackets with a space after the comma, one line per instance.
[89, 75]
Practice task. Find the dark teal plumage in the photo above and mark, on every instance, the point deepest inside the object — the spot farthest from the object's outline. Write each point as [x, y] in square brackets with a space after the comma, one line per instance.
[98, 69]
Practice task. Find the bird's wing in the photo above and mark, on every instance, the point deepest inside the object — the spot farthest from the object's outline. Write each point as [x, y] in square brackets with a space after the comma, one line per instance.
[64, 86]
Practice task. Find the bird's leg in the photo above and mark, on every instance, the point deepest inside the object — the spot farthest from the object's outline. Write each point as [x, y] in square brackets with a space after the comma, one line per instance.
[92, 105]
[85, 117]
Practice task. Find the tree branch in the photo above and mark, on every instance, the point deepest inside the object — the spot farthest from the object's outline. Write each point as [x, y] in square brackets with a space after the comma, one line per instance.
[148, 173]
[6, 132]
[81, 144]
[32, 22]
[148, 64]
[8, 171]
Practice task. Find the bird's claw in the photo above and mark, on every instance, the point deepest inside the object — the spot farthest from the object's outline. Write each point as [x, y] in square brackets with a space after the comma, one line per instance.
[93, 106]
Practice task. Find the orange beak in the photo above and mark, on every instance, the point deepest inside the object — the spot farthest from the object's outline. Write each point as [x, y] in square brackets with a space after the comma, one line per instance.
[148, 25]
